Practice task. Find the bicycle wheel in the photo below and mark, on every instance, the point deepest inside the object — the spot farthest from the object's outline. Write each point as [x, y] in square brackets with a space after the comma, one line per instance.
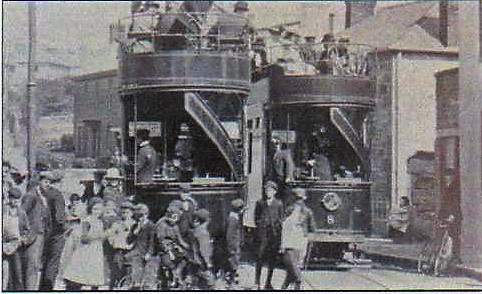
[124, 284]
[444, 255]
[424, 258]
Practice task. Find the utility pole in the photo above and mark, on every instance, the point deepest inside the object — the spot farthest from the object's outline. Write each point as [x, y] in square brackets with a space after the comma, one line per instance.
[32, 35]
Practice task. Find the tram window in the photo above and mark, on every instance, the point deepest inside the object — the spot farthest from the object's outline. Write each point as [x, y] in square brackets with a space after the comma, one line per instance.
[250, 124]
[258, 121]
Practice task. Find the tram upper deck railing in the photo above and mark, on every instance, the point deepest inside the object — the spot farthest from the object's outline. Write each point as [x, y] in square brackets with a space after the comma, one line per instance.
[341, 59]
[155, 31]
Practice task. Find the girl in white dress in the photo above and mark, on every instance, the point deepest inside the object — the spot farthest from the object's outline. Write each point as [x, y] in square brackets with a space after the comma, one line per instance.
[86, 267]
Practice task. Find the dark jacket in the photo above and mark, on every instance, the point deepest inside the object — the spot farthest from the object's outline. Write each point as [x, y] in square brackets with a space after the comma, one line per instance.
[269, 221]
[56, 203]
[143, 239]
[167, 236]
[89, 191]
[147, 163]
[234, 232]
[38, 214]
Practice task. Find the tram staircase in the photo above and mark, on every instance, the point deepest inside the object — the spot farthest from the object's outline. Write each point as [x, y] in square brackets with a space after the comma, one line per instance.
[207, 120]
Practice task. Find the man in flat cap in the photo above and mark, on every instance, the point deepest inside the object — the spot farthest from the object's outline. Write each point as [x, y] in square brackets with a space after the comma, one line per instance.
[35, 204]
[54, 243]
[16, 236]
[142, 239]
[147, 157]
[170, 246]
[268, 216]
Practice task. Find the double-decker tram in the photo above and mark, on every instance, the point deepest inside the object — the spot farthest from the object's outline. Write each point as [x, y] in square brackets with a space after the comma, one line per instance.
[308, 127]
[185, 76]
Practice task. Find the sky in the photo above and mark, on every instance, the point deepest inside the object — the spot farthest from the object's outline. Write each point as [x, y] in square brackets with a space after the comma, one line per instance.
[83, 26]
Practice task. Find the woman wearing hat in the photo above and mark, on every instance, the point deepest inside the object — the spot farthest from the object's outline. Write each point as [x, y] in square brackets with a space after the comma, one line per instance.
[298, 223]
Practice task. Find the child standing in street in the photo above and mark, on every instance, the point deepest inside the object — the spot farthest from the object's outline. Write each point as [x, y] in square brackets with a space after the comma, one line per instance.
[234, 233]
[202, 250]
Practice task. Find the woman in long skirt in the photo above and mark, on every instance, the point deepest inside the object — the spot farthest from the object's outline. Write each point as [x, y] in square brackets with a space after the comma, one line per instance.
[86, 267]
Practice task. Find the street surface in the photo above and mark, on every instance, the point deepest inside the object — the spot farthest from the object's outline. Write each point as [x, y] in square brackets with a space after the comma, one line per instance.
[374, 278]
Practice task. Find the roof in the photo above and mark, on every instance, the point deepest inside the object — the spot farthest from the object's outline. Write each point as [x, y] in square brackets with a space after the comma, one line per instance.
[397, 27]
[450, 71]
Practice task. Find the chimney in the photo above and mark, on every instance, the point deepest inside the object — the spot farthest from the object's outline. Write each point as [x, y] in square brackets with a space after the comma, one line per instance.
[357, 11]
[348, 14]
[444, 22]
[331, 23]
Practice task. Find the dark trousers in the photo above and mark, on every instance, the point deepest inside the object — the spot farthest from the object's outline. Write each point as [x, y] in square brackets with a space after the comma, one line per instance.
[293, 272]
[52, 254]
[13, 277]
[118, 266]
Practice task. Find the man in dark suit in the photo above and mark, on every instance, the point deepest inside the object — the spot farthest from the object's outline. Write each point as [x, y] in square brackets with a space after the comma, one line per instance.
[35, 205]
[147, 158]
[268, 216]
[54, 243]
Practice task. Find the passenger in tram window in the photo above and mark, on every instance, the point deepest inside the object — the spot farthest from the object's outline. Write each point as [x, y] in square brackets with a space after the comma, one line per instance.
[268, 216]
[325, 66]
[184, 153]
[284, 168]
[321, 166]
[147, 158]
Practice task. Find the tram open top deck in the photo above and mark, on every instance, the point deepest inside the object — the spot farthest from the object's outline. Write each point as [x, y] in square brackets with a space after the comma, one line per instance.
[186, 66]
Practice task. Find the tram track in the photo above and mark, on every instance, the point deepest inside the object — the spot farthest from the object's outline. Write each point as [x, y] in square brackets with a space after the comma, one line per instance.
[309, 285]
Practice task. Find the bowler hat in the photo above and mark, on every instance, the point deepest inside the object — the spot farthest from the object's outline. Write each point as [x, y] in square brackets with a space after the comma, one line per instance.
[46, 175]
[185, 187]
[299, 193]
[202, 214]
[14, 193]
[270, 184]
[113, 174]
[142, 208]
[126, 204]
[237, 203]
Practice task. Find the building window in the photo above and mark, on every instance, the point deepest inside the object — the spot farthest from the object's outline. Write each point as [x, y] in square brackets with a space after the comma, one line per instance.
[451, 153]
[250, 153]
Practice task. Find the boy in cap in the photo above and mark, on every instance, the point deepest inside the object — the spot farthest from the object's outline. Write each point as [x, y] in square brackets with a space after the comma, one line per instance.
[16, 235]
[170, 245]
[202, 250]
[142, 239]
[119, 233]
[268, 217]
[234, 233]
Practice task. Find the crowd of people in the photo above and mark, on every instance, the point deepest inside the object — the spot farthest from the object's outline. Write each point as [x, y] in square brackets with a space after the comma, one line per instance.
[104, 240]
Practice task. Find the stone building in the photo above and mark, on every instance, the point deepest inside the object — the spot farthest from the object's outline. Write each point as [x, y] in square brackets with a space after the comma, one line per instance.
[409, 53]
[97, 114]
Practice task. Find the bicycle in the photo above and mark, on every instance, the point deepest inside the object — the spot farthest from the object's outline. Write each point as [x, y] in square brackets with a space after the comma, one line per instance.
[436, 255]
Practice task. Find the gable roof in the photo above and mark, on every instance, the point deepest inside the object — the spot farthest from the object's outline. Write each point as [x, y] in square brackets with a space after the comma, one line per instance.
[394, 26]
